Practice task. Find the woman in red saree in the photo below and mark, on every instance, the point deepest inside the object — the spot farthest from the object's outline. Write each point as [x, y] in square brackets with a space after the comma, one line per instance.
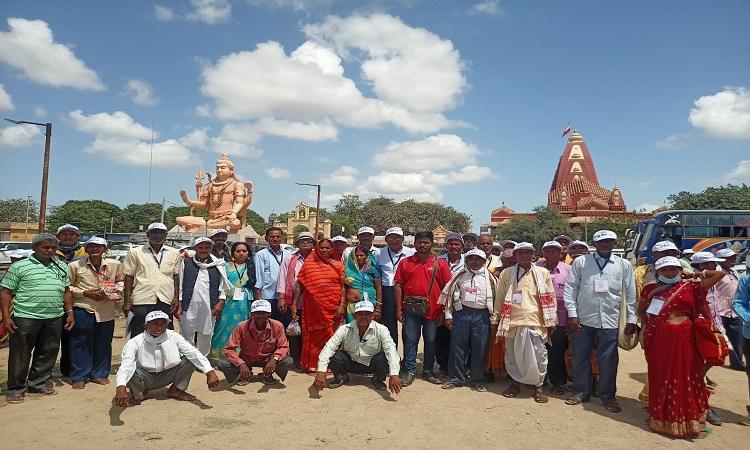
[321, 283]
[678, 396]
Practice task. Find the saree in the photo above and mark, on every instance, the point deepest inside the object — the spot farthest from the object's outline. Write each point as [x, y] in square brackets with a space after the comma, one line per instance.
[362, 280]
[678, 397]
[321, 279]
[235, 311]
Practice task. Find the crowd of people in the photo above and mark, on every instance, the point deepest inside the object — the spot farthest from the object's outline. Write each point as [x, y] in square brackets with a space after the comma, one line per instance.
[481, 309]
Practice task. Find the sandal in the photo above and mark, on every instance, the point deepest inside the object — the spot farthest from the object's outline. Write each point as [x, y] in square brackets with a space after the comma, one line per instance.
[704, 434]
[45, 391]
[268, 381]
[539, 396]
[450, 385]
[479, 388]
[182, 396]
[574, 400]
[613, 407]
[14, 399]
[512, 391]
[558, 390]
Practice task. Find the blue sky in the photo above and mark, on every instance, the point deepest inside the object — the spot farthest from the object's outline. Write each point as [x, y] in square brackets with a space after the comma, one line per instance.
[457, 102]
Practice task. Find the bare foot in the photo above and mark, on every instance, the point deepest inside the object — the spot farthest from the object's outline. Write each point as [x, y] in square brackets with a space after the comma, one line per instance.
[100, 380]
[179, 394]
[79, 385]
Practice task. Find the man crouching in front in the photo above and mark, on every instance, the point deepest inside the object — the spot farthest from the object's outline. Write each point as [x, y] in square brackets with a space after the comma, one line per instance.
[158, 358]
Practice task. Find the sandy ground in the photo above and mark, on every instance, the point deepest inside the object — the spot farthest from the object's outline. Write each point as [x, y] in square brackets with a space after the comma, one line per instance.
[295, 416]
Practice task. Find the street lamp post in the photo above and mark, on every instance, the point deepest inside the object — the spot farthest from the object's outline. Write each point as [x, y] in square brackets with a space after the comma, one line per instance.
[45, 170]
[317, 210]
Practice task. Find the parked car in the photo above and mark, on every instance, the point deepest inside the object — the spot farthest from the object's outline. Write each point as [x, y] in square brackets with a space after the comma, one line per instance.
[120, 251]
[6, 248]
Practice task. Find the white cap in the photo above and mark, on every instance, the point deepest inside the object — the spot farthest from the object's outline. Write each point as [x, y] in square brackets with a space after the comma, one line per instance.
[552, 244]
[394, 230]
[363, 230]
[667, 261]
[20, 253]
[704, 257]
[476, 252]
[157, 226]
[726, 253]
[507, 241]
[260, 305]
[96, 240]
[578, 244]
[68, 226]
[339, 238]
[524, 246]
[604, 234]
[198, 240]
[218, 231]
[663, 246]
[153, 315]
[688, 251]
[364, 305]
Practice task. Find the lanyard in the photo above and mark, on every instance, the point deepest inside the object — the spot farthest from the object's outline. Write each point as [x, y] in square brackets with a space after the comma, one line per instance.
[520, 275]
[240, 275]
[390, 256]
[601, 267]
[103, 275]
[161, 256]
[278, 260]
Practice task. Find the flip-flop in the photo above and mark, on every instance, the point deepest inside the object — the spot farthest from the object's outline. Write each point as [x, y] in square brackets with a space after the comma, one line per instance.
[14, 399]
[268, 381]
[558, 390]
[539, 396]
[613, 407]
[450, 385]
[512, 391]
[574, 400]
[704, 434]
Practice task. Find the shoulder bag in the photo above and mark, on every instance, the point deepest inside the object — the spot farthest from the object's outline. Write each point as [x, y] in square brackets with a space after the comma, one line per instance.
[624, 341]
[711, 343]
[418, 305]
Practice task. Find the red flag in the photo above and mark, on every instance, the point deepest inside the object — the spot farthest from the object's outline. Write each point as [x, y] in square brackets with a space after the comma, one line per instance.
[567, 130]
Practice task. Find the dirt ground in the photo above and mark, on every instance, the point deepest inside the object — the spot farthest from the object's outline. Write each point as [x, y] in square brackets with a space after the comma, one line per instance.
[295, 416]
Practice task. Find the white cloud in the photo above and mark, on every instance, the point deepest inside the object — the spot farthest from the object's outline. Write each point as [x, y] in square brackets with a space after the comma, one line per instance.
[740, 174]
[19, 136]
[40, 112]
[195, 139]
[421, 186]
[647, 207]
[442, 151]
[141, 93]
[210, 11]
[6, 101]
[30, 48]
[234, 148]
[490, 7]
[345, 176]
[117, 124]
[322, 159]
[415, 75]
[277, 173]
[163, 13]
[298, 130]
[169, 154]
[724, 115]
[294, 5]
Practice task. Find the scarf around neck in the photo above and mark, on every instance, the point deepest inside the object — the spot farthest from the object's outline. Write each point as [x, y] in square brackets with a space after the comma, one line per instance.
[547, 301]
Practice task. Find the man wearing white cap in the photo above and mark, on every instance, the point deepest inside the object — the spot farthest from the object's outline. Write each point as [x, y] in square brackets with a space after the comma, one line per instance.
[721, 296]
[525, 315]
[468, 303]
[219, 237]
[565, 242]
[685, 260]
[95, 283]
[257, 342]
[558, 342]
[203, 287]
[340, 244]
[267, 266]
[593, 293]
[388, 260]
[365, 237]
[288, 272]
[362, 346]
[576, 249]
[741, 306]
[454, 254]
[69, 249]
[157, 358]
[151, 279]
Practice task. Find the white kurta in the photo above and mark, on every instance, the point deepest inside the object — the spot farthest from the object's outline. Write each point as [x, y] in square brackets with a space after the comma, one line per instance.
[198, 318]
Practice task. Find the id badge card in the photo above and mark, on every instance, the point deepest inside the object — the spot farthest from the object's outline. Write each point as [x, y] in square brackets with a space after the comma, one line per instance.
[239, 294]
[601, 284]
[470, 295]
[657, 303]
[517, 297]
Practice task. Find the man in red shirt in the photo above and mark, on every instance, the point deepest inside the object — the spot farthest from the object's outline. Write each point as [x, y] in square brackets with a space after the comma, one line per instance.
[413, 278]
[262, 343]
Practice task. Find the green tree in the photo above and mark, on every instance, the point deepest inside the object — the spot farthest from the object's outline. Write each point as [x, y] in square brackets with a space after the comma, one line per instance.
[517, 228]
[136, 215]
[610, 223]
[176, 211]
[349, 206]
[19, 210]
[90, 216]
[255, 220]
[731, 196]
[547, 224]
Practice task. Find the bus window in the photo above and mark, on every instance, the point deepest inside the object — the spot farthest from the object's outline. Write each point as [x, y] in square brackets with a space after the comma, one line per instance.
[642, 243]
[740, 231]
[707, 219]
[743, 220]
[670, 233]
[708, 232]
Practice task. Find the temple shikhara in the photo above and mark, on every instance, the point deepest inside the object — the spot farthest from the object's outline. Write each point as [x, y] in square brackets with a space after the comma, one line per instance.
[575, 189]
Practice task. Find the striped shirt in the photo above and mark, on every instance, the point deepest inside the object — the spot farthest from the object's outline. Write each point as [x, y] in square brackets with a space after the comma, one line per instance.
[38, 288]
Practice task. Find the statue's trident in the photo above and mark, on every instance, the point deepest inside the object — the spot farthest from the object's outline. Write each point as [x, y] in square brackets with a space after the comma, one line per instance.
[198, 185]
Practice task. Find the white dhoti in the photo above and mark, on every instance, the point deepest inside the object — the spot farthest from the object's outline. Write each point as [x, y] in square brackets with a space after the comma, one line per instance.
[198, 319]
[526, 356]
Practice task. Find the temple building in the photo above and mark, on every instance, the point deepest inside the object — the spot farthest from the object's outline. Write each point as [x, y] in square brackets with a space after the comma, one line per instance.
[575, 190]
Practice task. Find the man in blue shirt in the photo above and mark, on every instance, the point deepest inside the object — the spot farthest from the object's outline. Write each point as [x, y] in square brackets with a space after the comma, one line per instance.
[267, 265]
[593, 294]
[388, 259]
[741, 306]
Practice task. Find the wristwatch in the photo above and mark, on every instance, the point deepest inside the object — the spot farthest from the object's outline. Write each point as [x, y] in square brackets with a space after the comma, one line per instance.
[276, 358]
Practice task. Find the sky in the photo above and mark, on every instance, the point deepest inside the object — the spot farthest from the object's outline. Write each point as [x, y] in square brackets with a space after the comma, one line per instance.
[458, 102]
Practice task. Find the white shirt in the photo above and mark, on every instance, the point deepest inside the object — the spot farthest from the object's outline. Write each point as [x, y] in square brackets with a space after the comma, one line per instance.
[469, 283]
[376, 339]
[388, 262]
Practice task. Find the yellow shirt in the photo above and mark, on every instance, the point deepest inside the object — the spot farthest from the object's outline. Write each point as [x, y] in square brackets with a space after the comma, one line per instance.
[643, 275]
[529, 311]
[154, 274]
[84, 277]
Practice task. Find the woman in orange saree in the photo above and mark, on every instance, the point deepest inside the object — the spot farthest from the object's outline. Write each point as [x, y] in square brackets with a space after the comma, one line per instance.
[678, 396]
[320, 282]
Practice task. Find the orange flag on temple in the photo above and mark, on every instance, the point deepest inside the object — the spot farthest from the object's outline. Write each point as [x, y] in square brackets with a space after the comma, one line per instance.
[567, 130]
